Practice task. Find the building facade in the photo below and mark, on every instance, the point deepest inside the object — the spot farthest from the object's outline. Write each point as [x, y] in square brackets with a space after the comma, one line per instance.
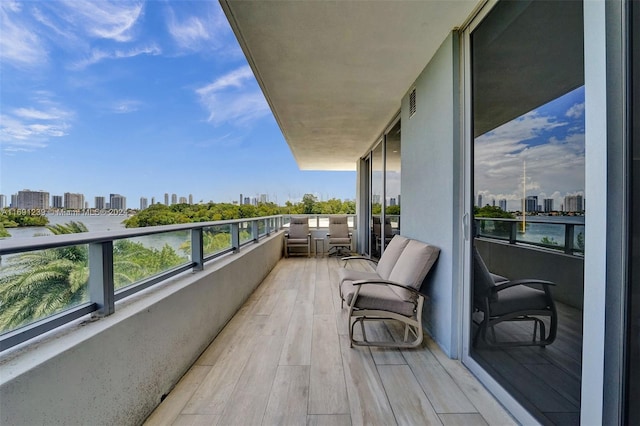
[27, 199]
[73, 201]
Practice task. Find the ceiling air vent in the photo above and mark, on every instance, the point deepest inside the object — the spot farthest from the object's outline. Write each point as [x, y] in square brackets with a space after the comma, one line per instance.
[412, 103]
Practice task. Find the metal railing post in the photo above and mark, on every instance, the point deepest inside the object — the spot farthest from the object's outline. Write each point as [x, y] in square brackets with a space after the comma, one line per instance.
[197, 249]
[101, 285]
[255, 231]
[513, 232]
[235, 237]
[569, 231]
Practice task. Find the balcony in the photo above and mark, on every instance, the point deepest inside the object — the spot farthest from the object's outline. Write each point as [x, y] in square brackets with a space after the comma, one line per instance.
[248, 338]
[285, 358]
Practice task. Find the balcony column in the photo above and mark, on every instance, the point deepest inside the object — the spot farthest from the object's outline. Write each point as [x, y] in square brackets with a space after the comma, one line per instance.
[235, 237]
[255, 232]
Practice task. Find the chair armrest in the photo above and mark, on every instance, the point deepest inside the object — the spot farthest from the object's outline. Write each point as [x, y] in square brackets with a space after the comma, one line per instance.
[391, 283]
[359, 258]
[525, 281]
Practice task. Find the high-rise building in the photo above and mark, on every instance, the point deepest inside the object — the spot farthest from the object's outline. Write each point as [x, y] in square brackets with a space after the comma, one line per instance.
[548, 205]
[503, 204]
[531, 203]
[57, 202]
[190, 198]
[573, 203]
[480, 200]
[117, 202]
[27, 199]
[174, 199]
[99, 203]
[392, 201]
[3, 201]
[247, 200]
[73, 201]
[264, 198]
[166, 198]
[241, 200]
[143, 203]
[153, 200]
[14, 200]
[183, 200]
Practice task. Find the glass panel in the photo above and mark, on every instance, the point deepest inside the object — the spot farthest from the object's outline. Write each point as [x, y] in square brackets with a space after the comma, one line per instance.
[38, 284]
[216, 239]
[245, 232]
[633, 331]
[139, 258]
[392, 192]
[528, 180]
[377, 188]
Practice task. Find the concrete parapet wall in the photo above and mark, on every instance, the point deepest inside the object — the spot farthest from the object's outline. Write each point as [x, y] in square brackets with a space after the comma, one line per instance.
[516, 261]
[116, 369]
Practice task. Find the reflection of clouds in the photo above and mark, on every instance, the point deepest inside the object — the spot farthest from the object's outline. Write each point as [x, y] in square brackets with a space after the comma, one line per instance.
[555, 166]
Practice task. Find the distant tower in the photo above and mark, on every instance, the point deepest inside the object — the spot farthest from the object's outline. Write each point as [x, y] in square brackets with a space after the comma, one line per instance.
[153, 200]
[479, 200]
[27, 199]
[3, 201]
[190, 198]
[56, 202]
[548, 205]
[143, 203]
[99, 203]
[503, 204]
[241, 199]
[174, 199]
[166, 198]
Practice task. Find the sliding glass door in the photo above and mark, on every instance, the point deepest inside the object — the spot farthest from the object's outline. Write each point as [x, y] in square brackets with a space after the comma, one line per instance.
[527, 172]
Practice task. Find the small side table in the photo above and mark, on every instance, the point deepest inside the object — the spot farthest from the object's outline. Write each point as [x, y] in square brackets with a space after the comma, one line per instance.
[316, 241]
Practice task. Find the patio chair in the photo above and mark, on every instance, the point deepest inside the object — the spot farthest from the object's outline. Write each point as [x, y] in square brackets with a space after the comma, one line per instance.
[298, 236]
[377, 233]
[339, 235]
[500, 300]
[392, 292]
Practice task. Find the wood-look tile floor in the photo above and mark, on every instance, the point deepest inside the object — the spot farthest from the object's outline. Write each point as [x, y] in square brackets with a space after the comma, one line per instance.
[284, 359]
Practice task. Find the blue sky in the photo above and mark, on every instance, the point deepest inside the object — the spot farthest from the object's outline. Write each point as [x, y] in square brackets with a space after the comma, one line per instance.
[139, 98]
[549, 139]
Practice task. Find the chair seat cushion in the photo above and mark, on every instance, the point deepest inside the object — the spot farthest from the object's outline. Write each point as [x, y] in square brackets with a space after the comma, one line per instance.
[339, 240]
[498, 278]
[519, 298]
[378, 297]
[297, 241]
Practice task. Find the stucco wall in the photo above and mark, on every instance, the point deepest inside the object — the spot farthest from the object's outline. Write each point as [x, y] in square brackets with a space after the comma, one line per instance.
[115, 370]
[430, 186]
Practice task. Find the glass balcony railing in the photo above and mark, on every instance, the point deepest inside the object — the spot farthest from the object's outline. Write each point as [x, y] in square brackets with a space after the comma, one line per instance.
[48, 281]
[556, 233]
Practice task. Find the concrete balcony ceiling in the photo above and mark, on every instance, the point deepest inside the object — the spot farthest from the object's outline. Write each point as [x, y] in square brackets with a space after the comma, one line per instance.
[334, 72]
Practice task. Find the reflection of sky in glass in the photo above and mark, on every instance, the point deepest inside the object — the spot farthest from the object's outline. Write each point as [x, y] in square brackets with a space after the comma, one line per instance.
[550, 139]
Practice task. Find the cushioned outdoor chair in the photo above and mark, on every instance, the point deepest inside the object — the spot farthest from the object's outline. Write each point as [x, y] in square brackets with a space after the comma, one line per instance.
[339, 236]
[499, 300]
[298, 236]
[392, 292]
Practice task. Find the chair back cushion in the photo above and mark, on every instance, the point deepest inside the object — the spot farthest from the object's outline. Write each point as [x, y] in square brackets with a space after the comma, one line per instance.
[299, 227]
[412, 267]
[338, 227]
[390, 256]
[483, 282]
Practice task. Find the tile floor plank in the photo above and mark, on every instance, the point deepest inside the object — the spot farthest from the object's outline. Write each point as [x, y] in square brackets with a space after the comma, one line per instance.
[289, 397]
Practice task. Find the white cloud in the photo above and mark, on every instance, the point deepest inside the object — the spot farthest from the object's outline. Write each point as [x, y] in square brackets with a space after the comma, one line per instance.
[114, 20]
[125, 106]
[19, 45]
[576, 111]
[204, 30]
[97, 55]
[234, 97]
[25, 129]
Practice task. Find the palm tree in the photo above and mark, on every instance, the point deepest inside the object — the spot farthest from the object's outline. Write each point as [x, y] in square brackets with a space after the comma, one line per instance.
[39, 283]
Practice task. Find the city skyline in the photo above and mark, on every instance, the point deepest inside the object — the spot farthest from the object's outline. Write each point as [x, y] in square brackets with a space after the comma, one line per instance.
[141, 98]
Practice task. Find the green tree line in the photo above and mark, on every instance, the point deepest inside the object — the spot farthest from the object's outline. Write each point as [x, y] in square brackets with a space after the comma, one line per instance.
[160, 214]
